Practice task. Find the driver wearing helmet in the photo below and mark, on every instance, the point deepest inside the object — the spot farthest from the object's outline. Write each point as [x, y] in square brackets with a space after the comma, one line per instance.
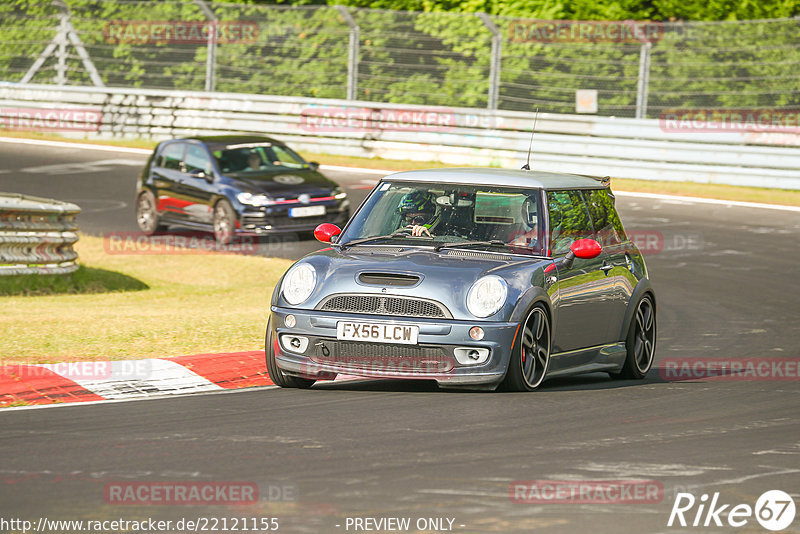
[418, 213]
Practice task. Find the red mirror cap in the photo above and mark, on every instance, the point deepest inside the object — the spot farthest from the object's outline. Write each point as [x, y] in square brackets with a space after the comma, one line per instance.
[325, 231]
[586, 249]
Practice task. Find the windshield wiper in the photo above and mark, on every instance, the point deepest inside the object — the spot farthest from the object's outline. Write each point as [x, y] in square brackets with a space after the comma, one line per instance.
[371, 239]
[493, 242]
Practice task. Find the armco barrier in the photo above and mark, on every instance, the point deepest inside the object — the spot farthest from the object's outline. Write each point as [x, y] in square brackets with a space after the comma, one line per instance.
[625, 148]
[36, 235]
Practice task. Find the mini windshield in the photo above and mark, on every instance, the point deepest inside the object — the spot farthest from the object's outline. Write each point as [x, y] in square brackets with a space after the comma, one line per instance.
[257, 157]
[441, 215]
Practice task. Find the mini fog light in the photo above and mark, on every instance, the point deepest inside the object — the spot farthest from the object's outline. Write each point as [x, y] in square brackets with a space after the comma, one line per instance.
[290, 321]
[292, 343]
[476, 333]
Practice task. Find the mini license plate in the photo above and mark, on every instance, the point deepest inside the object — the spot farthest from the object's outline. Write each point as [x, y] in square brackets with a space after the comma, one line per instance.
[377, 332]
[307, 211]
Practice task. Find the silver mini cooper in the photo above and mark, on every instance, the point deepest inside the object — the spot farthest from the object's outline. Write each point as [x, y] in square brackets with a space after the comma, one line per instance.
[474, 278]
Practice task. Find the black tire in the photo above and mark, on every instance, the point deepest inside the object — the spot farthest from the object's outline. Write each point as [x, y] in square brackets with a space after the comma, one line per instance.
[641, 341]
[224, 222]
[275, 374]
[147, 214]
[530, 356]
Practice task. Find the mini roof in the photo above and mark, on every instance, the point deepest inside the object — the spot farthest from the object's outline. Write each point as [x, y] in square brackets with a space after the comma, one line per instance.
[502, 177]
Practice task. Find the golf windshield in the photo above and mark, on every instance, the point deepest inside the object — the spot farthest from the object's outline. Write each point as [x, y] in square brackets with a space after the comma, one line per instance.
[257, 157]
[438, 215]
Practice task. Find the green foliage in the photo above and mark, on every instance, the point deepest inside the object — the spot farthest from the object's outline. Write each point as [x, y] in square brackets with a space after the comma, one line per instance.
[440, 55]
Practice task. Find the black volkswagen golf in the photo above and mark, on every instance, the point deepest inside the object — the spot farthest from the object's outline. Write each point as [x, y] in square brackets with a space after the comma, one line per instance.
[235, 184]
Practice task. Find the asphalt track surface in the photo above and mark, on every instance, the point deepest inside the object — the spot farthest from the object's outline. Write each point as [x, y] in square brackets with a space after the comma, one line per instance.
[726, 284]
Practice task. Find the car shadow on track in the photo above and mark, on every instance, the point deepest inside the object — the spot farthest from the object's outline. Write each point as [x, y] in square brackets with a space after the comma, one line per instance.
[592, 381]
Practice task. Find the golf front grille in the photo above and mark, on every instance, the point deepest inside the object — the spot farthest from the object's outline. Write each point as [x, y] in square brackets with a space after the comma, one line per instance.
[380, 305]
[382, 358]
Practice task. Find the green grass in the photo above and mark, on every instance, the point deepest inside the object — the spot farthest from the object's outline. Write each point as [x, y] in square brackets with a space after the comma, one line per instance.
[140, 306]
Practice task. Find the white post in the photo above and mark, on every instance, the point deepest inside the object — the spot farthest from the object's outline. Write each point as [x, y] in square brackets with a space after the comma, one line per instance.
[644, 81]
[352, 56]
[211, 55]
[494, 68]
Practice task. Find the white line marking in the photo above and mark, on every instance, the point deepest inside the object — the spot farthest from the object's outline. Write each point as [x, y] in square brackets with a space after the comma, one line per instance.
[135, 399]
[102, 165]
[85, 146]
[698, 200]
[356, 169]
[654, 470]
[743, 479]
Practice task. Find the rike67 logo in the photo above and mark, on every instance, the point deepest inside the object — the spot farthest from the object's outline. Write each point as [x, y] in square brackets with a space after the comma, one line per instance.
[774, 510]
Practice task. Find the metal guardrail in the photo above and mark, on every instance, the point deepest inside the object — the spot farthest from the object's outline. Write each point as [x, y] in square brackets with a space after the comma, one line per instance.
[36, 235]
[620, 147]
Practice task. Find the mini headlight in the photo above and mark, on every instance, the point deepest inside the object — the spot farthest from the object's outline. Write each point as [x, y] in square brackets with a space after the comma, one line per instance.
[299, 283]
[338, 193]
[254, 200]
[487, 296]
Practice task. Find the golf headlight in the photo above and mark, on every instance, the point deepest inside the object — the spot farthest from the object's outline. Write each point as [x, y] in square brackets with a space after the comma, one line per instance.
[254, 200]
[299, 282]
[338, 193]
[487, 296]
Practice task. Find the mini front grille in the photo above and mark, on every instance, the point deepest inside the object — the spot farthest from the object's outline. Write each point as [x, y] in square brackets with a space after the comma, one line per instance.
[382, 357]
[380, 305]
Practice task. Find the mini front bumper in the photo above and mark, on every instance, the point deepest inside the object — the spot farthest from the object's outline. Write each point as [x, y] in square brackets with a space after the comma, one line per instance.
[432, 358]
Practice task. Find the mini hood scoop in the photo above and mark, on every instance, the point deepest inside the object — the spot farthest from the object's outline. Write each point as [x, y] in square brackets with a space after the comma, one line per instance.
[389, 279]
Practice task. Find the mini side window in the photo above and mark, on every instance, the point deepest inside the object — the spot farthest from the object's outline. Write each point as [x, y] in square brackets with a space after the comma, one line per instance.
[605, 219]
[569, 220]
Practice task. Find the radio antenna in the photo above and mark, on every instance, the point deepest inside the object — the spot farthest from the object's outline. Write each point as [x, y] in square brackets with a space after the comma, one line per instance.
[527, 165]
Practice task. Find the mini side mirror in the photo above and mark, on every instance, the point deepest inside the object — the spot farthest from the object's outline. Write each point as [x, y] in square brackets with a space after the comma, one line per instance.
[585, 249]
[313, 165]
[326, 232]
